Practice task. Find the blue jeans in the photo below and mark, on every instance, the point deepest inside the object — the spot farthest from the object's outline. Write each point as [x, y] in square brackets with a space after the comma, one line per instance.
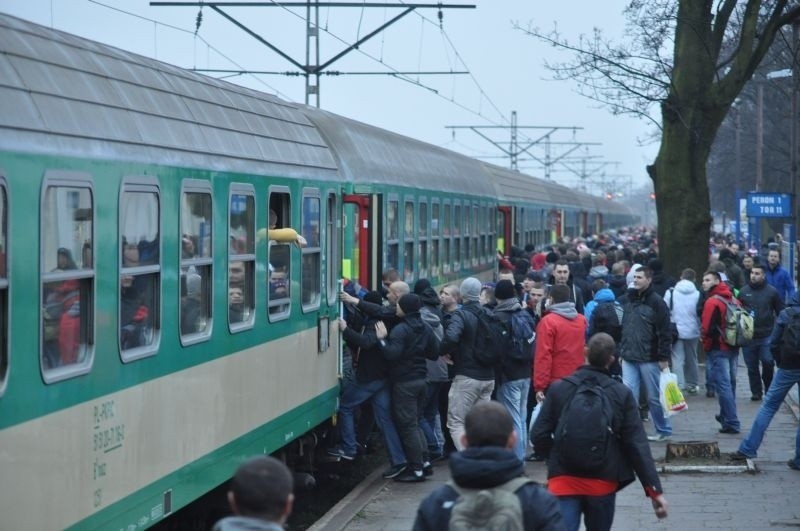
[720, 365]
[781, 385]
[598, 511]
[755, 352]
[647, 373]
[514, 396]
[377, 391]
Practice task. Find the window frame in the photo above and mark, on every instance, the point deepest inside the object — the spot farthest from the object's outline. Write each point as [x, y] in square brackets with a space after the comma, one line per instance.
[409, 238]
[249, 191]
[283, 304]
[190, 185]
[392, 198]
[313, 193]
[5, 290]
[147, 185]
[333, 252]
[68, 179]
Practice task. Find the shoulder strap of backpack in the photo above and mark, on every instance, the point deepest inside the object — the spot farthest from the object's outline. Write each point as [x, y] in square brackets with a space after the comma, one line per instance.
[671, 295]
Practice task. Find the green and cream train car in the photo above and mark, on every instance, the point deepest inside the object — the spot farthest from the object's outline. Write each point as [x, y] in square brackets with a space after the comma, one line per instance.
[157, 324]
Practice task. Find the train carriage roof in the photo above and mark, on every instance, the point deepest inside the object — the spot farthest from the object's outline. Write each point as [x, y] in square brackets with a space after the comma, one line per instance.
[368, 154]
[65, 95]
[516, 186]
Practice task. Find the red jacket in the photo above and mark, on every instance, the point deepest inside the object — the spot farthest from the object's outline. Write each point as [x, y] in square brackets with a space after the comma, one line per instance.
[713, 318]
[560, 346]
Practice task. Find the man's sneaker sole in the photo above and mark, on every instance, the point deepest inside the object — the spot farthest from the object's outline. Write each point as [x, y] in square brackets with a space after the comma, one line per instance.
[658, 438]
[335, 452]
[411, 476]
[394, 471]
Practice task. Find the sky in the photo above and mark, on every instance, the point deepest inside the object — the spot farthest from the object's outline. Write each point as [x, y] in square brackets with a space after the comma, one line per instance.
[506, 70]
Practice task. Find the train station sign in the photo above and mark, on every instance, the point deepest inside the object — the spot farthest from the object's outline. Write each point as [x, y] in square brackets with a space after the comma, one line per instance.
[769, 205]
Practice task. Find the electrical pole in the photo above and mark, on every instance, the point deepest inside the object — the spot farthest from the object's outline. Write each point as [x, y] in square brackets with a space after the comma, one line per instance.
[312, 70]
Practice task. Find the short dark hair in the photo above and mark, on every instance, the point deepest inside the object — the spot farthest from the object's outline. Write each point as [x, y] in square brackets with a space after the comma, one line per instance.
[562, 262]
[646, 271]
[757, 265]
[261, 487]
[488, 423]
[688, 274]
[601, 348]
[713, 273]
[559, 293]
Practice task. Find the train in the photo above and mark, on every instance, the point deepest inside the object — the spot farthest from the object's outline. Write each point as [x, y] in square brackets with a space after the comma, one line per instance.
[154, 330]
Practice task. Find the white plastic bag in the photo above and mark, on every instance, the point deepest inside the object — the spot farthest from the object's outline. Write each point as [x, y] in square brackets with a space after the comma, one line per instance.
[672, 400]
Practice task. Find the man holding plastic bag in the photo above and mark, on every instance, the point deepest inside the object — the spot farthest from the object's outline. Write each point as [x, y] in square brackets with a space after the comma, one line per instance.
[672, 400]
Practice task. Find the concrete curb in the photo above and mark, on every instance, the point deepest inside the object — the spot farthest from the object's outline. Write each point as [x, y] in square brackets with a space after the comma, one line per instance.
[343, 512]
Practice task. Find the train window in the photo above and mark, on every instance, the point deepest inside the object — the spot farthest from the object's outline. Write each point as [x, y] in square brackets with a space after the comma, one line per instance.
[422, 247]
[467, 232]
[140, 270]
[332, 242]
[435, 239]
[3, 285]
[392, 244]
[447, 230]
[279, 255]
[408, 244]
[67, 324]
[484, 249]
[475, 250]
[241, 257]
[457, 221]
[311, 269]
[196, 280]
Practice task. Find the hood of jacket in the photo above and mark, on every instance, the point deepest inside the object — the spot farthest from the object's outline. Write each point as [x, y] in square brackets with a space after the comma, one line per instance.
[484, 467]
[508, 305]
[429, 297]
[564, 309]
[685, 287]
[604, 295]
[598, 271]
[722, 290]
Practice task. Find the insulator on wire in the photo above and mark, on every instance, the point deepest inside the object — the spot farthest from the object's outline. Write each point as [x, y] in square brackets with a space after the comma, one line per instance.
[440, 15]
[199, 20]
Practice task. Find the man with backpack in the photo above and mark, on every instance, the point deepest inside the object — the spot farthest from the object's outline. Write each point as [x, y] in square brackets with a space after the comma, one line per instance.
[785, 345]
[488, 489]
[466, 346]
[720, 356]
[514, 371]
[605, 314]
[589, 430]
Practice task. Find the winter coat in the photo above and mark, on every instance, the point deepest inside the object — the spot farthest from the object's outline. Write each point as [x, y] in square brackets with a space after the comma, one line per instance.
[511, 369]
[632, 449]
[776, 338]
[646, 335]
[661, 283]
[603, 295]
[713, 318]
[409, 344]
[484, 468]
[682, 301]
[779, 279]
[437, 369]
[459, 342]
[245, 523]
[560, 340]
[371, 365]
[765, 303]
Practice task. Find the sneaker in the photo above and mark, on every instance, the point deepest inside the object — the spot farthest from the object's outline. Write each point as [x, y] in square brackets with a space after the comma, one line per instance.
[338, 452]
[728, 430]
[738, 456]
[755, 398]
[718, 418]
[659, 437]
[692, 390]
[394, 471]
[410, 476]
[427, 468]
[791, 463]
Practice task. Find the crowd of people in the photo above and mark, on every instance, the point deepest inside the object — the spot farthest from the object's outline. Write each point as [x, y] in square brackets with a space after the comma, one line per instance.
[486, 373]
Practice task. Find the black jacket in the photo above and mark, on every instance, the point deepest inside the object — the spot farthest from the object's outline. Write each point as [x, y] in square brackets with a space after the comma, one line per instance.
[646, 334]
[765, 303]
[632, 449]
[776, 338]
[459, 342]
[511, 369]
[483, 468]
[409, 344]
[371, 365]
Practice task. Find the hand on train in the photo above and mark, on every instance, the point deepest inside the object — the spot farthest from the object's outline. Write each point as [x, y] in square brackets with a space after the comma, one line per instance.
[300, 241]
[347, 298]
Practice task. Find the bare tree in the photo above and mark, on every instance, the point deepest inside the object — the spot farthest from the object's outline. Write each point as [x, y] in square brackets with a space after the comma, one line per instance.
[685, 60]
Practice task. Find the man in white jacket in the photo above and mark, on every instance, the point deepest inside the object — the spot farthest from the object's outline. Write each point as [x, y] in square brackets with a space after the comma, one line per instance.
[682, 303]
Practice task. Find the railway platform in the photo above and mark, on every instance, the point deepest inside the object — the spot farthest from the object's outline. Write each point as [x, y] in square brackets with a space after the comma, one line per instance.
[765, 500]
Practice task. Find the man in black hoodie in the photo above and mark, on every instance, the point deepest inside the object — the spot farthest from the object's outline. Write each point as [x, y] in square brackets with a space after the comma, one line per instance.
[488, 462]
[410, 343]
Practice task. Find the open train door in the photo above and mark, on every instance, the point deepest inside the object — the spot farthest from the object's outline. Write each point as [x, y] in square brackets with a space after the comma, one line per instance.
[362, 239]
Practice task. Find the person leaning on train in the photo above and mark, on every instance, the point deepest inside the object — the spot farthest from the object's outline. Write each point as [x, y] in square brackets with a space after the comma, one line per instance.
[285, 235]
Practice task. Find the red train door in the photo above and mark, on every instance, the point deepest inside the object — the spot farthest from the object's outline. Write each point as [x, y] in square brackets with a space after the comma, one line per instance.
[362, 239]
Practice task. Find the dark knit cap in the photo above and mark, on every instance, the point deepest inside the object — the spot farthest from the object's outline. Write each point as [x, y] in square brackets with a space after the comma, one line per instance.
[373, 297]
[421, 285]
[410, 303]
[504, 290]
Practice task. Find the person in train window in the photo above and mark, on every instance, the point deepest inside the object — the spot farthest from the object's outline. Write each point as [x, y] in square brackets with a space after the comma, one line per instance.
[134, 312]
[63, 311]
[260, 496]
[191, 305]
[235, 304]
[285, 235]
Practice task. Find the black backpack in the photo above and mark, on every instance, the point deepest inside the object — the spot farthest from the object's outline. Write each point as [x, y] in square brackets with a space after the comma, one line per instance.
[490, 336]
[790, 340]
[521, 335]
[584, 436]
[607, 317]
